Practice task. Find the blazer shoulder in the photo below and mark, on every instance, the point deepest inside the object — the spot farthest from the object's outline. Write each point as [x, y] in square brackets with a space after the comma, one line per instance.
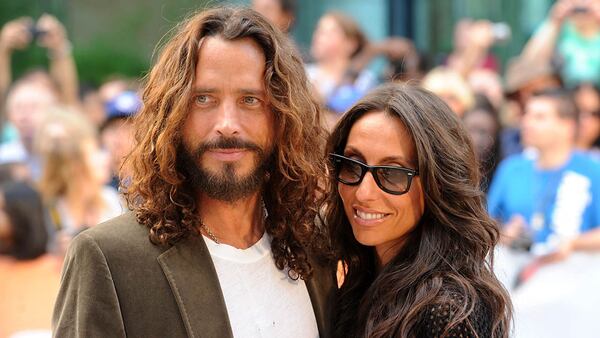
[122, 234]
[124, 227]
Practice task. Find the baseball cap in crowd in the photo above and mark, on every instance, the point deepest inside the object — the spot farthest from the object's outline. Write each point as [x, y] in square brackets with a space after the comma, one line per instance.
[122, 106]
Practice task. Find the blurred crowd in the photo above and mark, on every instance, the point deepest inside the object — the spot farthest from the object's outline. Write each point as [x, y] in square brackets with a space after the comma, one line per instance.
[535, 124]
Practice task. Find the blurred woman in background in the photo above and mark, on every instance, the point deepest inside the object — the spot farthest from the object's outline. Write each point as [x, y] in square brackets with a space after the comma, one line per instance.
[483, 124]
[75, 174]
[336, 41]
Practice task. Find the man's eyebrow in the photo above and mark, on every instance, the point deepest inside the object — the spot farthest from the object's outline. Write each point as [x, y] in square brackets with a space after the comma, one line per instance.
[243, 91]
[205, 90]
[248, 91]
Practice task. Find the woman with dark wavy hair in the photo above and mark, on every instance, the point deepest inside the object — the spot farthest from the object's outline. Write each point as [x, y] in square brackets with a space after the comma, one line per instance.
[408, 222]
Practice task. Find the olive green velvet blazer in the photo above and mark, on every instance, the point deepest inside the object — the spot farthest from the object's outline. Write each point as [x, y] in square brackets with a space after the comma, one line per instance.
[116, 283]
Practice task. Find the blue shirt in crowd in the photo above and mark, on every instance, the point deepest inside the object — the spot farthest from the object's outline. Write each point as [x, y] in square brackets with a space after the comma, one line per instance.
[557, 204]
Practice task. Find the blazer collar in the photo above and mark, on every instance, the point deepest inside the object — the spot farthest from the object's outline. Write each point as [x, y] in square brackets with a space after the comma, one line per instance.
[195, 285]
[321, 288]
[193, 279]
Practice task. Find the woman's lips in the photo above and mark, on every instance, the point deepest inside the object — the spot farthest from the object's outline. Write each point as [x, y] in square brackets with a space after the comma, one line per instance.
[368, 218]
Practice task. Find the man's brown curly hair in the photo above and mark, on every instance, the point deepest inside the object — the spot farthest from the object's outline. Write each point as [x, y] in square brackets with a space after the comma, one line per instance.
[160, 193]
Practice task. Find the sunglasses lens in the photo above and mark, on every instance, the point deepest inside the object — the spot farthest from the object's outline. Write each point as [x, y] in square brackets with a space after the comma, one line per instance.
[395, 180]
[349, 171]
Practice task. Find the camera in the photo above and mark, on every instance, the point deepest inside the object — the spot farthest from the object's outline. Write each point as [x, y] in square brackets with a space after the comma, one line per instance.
[501, 32]
[35, 32]
[523, 242]
[579, 10]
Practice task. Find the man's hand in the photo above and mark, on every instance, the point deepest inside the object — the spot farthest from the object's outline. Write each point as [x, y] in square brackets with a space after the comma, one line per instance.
[512, 230]
[481, 34]
[561, 10]
[54, 37]
[595, 9]
[15, 35]
[563, 251]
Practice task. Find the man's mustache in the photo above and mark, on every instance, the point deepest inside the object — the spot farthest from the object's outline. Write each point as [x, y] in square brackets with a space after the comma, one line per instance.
[227, 143]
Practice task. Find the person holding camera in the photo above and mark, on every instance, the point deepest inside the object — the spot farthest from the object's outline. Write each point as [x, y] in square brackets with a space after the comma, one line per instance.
[569, 40]
[472, 42]
[49, 33]
[29, 98]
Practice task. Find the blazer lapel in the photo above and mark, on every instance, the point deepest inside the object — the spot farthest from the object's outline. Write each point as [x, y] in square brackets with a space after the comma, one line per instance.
[195, 285]
[321, 288]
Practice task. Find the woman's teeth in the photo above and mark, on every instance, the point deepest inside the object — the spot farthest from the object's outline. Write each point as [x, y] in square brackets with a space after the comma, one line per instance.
[369, 216]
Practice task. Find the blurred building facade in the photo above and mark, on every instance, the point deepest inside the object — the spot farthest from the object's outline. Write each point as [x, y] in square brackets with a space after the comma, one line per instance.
[120, 36]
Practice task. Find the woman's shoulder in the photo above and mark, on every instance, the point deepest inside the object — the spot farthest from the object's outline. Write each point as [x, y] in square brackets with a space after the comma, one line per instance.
[454, 315]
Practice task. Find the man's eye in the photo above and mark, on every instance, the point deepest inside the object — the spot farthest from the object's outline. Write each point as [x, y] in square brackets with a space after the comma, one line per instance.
[249, 100]
[202, 99]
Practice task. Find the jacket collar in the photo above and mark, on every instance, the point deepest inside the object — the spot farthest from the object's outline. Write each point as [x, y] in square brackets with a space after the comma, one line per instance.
[195, 285]
[321, 287]
[193, 279]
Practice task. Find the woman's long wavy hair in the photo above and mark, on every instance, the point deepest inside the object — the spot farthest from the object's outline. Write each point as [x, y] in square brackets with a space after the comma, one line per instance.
[449, 252]
[64, 142]
[159, 192]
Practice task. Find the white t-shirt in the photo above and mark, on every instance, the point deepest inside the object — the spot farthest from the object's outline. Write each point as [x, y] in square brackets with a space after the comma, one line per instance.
[261, 300]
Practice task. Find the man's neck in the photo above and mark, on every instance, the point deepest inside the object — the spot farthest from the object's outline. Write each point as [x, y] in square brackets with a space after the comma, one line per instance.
[239, 224]
[555, 156]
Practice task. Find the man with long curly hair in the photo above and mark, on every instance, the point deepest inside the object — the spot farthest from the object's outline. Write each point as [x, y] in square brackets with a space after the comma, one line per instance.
[224, 192]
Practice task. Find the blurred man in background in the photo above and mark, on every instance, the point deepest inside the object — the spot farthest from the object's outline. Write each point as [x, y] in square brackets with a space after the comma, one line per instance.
[117, 130]
[551, 194]
[548, 201]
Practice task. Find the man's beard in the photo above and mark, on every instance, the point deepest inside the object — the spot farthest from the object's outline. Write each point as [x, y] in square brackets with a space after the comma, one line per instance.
[224, 185]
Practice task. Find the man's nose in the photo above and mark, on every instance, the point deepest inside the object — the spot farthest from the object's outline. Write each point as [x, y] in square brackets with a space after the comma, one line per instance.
[228, 119]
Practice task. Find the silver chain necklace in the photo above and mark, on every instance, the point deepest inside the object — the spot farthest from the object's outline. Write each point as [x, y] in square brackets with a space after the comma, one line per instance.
[209, 233]
[214, 238]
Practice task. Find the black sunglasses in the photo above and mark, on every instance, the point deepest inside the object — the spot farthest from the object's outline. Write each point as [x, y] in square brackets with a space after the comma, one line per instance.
[394, 180]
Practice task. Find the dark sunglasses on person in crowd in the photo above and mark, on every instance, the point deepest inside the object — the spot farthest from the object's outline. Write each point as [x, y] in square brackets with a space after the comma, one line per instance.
[394, 180]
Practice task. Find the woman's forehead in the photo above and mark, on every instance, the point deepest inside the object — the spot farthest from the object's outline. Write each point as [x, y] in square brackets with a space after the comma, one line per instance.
[379, 135]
